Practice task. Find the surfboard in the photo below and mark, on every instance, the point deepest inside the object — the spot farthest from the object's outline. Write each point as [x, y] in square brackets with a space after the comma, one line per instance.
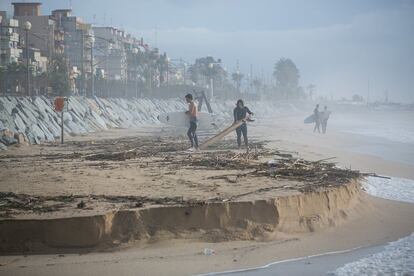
[310, 119]
[221, 134]
[180, 119]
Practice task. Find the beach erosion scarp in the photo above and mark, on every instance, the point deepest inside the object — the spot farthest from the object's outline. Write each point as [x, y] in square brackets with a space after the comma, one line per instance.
[260, 220]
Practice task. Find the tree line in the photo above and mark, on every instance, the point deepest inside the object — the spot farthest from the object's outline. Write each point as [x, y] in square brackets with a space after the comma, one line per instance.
[149, 71]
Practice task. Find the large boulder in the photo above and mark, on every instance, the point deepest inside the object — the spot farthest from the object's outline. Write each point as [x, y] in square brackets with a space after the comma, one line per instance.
[21, 139]
[2, 146]
[2, 127]
[8, 141]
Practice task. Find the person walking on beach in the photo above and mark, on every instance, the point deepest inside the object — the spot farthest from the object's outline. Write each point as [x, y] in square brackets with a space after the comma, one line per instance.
[324, 119]
[240, 113]
[192, 113]
[316, 114]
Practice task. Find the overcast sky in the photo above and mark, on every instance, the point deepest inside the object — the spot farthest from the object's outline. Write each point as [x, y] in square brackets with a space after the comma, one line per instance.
[341, 46]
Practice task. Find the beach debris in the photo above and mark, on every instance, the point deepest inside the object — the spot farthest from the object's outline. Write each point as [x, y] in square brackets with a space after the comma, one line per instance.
[152, 153]
[9, 138]
[81, 205]
[113, 156]
[375, 175]
[209, 251]
[273, 162]
[12, 203]
[325, 159]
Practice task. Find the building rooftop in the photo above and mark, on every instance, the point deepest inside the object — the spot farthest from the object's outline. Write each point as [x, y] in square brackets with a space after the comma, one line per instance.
[26, 3]
[62, 10]
[26, 8]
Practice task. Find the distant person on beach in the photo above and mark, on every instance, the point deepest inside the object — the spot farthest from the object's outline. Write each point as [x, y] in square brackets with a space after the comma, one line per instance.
[324, 117]
[192, 113]
[316, 114]
[240, 113]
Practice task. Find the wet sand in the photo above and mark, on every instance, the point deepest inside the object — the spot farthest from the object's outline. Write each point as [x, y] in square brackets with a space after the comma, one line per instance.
[319, 264]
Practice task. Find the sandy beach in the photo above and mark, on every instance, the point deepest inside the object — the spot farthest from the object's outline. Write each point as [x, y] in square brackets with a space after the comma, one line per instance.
[375, 221]
[381, 222]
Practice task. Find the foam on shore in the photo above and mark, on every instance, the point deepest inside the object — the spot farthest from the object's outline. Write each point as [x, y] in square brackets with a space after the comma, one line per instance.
[397, 258]
[399, 189]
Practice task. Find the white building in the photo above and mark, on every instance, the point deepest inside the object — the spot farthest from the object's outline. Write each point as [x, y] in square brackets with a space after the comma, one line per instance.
[77, 44]
[10, 50]
[110, 53]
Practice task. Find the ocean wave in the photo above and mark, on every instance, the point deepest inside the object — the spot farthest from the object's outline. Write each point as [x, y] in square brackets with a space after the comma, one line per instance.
[400, 189]
[397, 258]
[391, 134]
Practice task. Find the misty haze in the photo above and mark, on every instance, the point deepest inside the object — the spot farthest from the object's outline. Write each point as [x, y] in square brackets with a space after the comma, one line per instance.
[177, 137]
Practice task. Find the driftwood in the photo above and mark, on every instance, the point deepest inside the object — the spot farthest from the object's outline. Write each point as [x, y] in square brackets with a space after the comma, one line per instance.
[325, 159]
[375, 175]
[112, 156]
[169, 154]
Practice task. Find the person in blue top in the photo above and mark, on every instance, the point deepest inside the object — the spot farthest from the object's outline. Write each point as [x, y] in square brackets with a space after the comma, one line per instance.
[240, 113]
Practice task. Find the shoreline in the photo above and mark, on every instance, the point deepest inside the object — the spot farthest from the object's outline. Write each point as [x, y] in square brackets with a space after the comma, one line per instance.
[289, 133]
[174, 256]
[318, 264]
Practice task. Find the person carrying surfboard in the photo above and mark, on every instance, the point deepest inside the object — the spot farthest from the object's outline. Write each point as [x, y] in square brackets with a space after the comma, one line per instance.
[192, 113]
[324, 118]
[240, 113]
[316, 114]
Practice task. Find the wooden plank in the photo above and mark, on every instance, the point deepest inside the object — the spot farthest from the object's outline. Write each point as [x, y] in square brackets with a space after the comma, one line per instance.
[221, 135]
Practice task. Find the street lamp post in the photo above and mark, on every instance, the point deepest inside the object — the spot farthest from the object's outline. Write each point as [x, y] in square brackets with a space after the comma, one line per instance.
[83, 90]
[185, 74]
[135, 52]
[92, 69]
[27, 26]
[211, 66]
[168, 73]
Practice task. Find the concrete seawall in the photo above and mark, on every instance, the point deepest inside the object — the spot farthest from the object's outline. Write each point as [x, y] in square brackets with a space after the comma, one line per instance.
[37, 121]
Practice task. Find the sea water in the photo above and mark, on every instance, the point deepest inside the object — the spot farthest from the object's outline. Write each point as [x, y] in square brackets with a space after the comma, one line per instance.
[388, 135]
[397, 258]
[400, 189]
[392, 126]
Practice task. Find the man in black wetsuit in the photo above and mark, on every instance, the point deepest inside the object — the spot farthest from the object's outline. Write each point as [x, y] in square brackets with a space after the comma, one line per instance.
[240, 113]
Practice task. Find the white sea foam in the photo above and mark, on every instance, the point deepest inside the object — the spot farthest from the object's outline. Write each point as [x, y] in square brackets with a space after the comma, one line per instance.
[399, 189]
[397, 258]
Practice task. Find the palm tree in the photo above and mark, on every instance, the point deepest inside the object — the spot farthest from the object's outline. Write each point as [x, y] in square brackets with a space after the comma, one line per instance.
[311, 90]
[237, 78]
[287, 76]
[14, 76]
